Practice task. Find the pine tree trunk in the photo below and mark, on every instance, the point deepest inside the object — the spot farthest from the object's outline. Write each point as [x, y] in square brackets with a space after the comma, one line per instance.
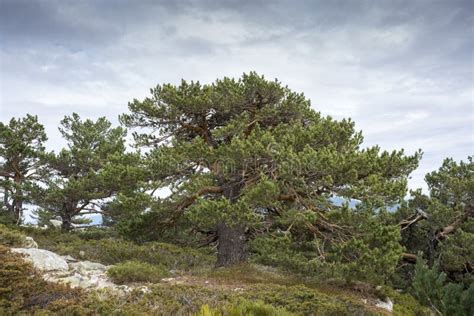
[232, 245]
[232, 240]
[66, 223]
[18, 201]
[18, 208]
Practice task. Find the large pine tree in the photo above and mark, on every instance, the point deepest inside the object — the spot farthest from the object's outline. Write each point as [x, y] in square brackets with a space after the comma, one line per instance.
[241, 155]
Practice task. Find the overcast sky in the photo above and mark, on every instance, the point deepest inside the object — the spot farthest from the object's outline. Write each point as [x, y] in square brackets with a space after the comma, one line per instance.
[403, 70]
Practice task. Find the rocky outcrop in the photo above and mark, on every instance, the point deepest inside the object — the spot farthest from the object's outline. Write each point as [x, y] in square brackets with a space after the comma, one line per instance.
[84, 274]
[43, 260]
[68, 270]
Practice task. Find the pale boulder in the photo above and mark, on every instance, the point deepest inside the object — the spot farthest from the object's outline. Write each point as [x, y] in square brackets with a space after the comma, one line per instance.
[42, 259]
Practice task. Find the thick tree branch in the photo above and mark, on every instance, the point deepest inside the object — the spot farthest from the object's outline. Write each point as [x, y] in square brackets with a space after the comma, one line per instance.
[250, 127]
[444, 232]
[409, 257]
[5, 174]
[188, 201]
[205, 190]
[202, 131]
[286, 197]
[406, 223]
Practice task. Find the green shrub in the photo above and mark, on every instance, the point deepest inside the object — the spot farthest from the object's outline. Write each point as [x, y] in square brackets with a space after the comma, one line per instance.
[10, 237]
[302, 295]
[208, 311]
[255, 308]
[96, 233]
[136, 271]
[431, 288]
[303, 300]
[51, 238]
[403, 303]
[253, 273]
[6, 218]
[244, 307]
[183, 299]
[371, 257]
[300, 300]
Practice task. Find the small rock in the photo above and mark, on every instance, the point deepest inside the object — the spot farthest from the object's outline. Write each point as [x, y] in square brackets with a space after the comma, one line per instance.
[82, 254]
[43, 259]
[87, 267]
[173, 281]
[168, 279]
[123, 288]
[387, 305]
[56, 223]
[69, 258]
[145, 290]
[54, 276]
[76, 280]
[101, 282]
[30, 242]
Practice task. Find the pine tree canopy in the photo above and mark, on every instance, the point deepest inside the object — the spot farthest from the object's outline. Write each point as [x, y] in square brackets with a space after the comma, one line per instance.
[238, 154]
[21, 147]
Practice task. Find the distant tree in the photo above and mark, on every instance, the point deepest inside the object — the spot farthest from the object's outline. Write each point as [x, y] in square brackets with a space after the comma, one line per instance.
[21, 147]
[441, 225]
[245, 156]
[91, 169]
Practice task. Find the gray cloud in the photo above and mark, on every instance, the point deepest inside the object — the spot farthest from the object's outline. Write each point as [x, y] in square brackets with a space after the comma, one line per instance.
[402, 69]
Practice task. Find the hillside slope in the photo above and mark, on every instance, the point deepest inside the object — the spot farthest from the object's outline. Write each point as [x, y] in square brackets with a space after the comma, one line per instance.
[164, 279]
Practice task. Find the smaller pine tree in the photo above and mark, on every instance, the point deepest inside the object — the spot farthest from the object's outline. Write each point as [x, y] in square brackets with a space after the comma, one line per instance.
[431, 288]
